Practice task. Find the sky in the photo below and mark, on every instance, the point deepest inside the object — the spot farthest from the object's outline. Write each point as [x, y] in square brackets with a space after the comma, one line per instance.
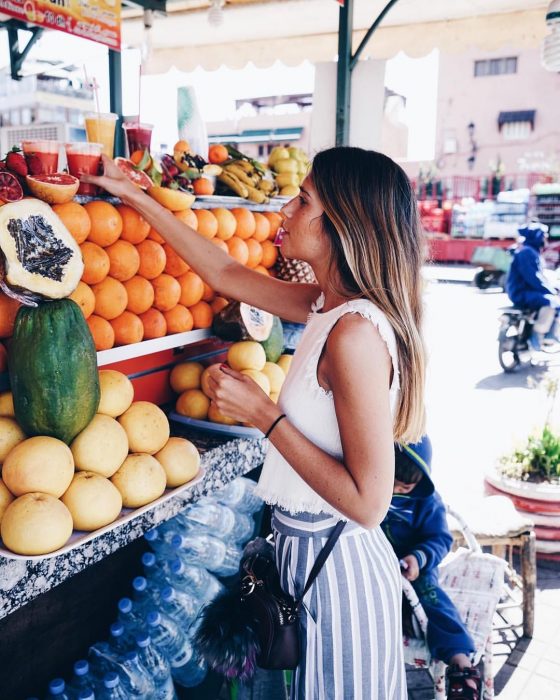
[216, 91]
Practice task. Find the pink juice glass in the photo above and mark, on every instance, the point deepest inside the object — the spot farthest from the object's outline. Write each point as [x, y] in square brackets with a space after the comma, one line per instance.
[138, 136]
[84, 159]
[45, 151]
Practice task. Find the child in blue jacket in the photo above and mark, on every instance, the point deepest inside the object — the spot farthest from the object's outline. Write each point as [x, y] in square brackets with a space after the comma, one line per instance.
[416, 526]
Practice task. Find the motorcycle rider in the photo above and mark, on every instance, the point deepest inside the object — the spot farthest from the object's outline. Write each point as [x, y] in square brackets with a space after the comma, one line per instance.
[527, 285]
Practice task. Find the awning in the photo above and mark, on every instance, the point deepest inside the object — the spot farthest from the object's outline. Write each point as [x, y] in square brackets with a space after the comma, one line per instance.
[521, 115]
[258, 136]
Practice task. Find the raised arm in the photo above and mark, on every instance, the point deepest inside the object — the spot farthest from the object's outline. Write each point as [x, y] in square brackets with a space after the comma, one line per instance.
[291, 301]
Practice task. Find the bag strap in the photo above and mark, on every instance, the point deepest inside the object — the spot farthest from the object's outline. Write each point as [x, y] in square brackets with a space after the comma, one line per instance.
[322, 558]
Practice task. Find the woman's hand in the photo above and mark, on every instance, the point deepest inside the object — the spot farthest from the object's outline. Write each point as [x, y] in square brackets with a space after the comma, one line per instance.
[237, 396]
[113, 181]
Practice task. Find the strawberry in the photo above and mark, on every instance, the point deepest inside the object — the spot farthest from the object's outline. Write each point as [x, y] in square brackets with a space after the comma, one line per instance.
[16, 163]
[34, 165]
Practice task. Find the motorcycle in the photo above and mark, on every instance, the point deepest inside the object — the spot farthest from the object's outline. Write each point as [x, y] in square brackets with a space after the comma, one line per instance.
[514, 346]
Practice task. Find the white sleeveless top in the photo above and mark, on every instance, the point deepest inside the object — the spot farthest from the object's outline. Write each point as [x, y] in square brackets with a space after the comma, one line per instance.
[310, 408]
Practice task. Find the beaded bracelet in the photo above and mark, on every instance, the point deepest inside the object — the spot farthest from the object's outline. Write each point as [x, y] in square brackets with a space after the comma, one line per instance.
[282, 415]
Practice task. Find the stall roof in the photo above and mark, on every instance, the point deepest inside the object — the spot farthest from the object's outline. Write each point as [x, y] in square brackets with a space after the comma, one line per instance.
[263, 31]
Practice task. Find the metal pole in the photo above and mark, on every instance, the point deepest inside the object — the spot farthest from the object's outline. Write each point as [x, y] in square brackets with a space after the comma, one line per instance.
[115, 97]
[344, 75]
[370, 31]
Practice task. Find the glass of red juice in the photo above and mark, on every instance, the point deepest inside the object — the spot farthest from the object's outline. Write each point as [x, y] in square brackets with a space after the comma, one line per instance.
[46, 151]
[84, 159]
[138, 136]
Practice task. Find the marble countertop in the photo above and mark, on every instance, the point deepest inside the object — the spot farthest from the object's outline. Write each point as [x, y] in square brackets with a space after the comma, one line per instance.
[22, 580]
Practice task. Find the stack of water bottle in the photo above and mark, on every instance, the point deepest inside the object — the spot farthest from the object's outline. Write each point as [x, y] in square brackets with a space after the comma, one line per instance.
[149, 649]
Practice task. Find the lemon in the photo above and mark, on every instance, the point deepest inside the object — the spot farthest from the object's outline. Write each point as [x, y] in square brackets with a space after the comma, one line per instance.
[193, 403]
[275, 376]
[185, 375]
[284, 362]
[247, 354]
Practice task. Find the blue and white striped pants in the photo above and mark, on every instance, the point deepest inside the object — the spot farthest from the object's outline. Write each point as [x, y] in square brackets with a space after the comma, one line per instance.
[351, 637]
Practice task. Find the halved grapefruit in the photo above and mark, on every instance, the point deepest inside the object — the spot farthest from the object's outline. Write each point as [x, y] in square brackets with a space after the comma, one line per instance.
[174, 200]
[138, 177]
[56, 188]
[10, 189]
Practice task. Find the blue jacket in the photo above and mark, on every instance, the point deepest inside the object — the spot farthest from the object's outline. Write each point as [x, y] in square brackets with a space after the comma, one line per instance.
[416, 522]
[526, 285]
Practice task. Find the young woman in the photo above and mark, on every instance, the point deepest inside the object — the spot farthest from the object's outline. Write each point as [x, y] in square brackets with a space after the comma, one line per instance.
[355, 386]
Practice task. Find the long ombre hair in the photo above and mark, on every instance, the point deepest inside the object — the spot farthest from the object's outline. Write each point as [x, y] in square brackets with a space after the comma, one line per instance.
[377, 250]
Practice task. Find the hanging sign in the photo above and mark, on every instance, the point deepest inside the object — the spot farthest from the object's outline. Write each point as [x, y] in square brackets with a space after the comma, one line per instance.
[97, 20]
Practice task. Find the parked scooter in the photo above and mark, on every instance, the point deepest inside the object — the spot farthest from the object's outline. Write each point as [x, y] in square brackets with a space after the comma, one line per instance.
[514, 339]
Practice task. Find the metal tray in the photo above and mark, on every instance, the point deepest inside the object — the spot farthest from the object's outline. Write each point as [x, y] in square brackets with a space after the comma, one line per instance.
[216, 428]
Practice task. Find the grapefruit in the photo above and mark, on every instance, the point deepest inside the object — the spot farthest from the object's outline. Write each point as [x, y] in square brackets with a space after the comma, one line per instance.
[174, 200]
[56, 188]
[134, 174]
[10, 189]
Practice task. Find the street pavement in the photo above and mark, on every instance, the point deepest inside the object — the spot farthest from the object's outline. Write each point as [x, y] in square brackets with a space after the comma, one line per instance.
[475, 413]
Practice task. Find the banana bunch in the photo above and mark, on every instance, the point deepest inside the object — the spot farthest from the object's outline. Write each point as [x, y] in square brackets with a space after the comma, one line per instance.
[246, 179]
[290, 166]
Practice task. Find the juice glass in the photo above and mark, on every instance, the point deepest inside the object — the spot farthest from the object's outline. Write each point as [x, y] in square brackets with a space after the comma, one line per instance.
[84, 159]
[138, 136]
[46, 152]
[100, 128]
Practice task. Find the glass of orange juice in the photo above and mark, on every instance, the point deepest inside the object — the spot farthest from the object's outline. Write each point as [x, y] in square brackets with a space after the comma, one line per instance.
[100, 128]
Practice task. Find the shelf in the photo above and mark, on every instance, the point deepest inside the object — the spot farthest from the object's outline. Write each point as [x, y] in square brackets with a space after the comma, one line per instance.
[214, 201]
[148, 347]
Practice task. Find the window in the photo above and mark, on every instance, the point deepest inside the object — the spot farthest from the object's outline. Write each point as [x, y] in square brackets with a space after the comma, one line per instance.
[495, 66]
[517, 131]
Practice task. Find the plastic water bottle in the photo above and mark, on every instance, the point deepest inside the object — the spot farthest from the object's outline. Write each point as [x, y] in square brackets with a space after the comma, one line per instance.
[81, 680]
[86, 695]
[154, 569]
[221, 558]
[102, 660]
[157, 665]
[135, 678]
[120, 642]
[193, 579]
[180, 606]
[220, 520]
[144, 595]
[57, 690]
[239, 495]
[159, 538]
[112, 688]
[186, 670]
[129, 618]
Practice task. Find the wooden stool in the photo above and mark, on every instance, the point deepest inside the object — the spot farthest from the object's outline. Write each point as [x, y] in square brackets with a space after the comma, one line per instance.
[496, 524]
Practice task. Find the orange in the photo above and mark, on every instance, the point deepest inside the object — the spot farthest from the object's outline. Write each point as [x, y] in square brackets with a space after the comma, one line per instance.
[96, 263]
[154, 324]
[153, 235]
[174, 264]
[75, 218]
[167, 292]
[187, 216]
[106, 222]
[255, 252]
[275, 221]
[238, 249]
[124, 260]
[135, 228]
[182, 145]
[209, 294]
[262, 230]
[85, 298]
[217, 153]
[218, 304]
[227, 223]
[8, 310]
[245, 222]
[128, 328]
[202, 315]
[136, 158]
[270, 253]
[207, 223]
[102, 332]
[152, 259]
[140, 294]
[179, 319]
[3, 359]
[110, 298]
[261, 269]
[222, 245]
[192, 288]
[203, 186]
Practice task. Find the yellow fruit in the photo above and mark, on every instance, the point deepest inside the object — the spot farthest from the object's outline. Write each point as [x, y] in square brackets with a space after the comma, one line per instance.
[259, 378]
[216, 417]
[278, 153]
[40, 463]
[174, 200]
[285, 165]
[186, 375]
[101, 447]
[289, 191]
[274, 396]
[117, 393]
[193, 403]
[93, 501]
[205, 375]
[10, 435]
[140, 480]
[275, 376]
[287, 179]
[247, 354]
[180, 460]
[6, 497]
[36, 523]
[7, 404]
[146, 426]
[284, 362]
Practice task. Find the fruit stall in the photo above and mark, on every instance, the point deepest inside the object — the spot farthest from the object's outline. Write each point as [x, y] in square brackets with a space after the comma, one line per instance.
[107, 434]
